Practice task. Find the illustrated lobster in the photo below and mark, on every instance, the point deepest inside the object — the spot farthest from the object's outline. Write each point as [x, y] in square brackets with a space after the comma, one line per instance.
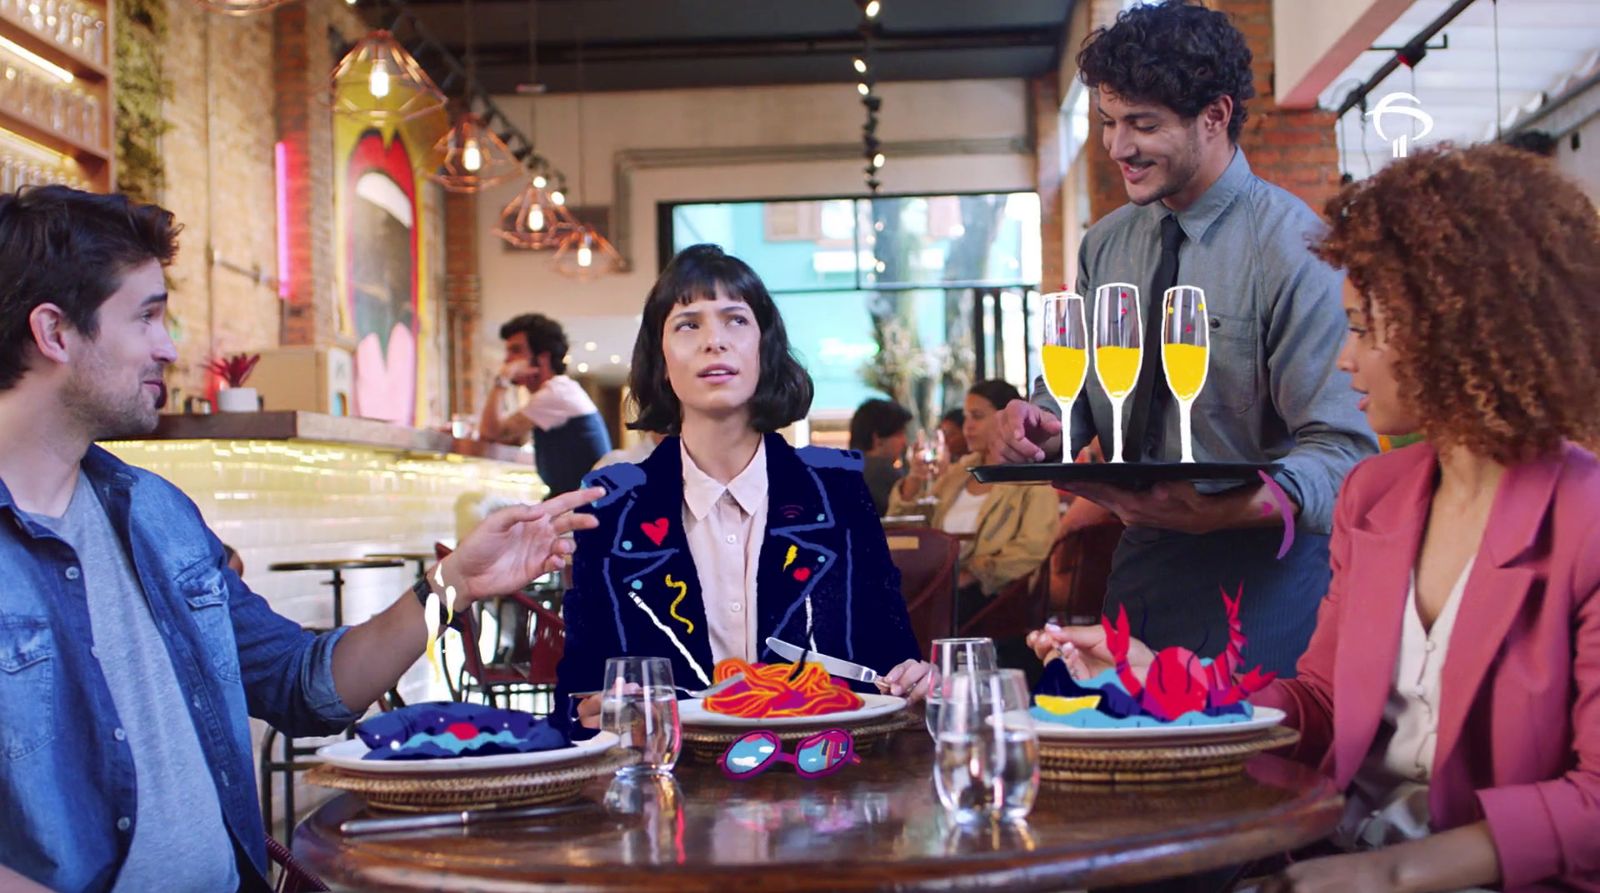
[1178, 680]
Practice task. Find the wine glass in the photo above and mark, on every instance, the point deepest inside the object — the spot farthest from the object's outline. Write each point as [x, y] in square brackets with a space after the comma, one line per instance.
[1064, 356]
[1118, 349]
[929, 449]
[1185, 353]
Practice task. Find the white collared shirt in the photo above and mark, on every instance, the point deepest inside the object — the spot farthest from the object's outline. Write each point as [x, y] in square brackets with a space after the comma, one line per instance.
[725, 527]
[1388, 799]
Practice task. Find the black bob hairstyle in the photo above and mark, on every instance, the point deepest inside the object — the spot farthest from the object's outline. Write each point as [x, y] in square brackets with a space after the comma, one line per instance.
[783, 393]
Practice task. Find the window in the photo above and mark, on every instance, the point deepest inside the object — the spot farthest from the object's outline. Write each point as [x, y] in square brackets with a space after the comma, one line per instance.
[883, 296]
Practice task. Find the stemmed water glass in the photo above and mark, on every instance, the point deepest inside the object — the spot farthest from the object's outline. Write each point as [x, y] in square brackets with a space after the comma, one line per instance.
[1118, 349]
[1185, 353]
[1064, 357]
[952, 656]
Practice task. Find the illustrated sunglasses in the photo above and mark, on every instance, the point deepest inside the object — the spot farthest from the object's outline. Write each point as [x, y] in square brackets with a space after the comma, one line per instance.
[814, 755]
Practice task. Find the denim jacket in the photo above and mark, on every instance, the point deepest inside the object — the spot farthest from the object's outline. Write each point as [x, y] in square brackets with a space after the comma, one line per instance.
[67, 786]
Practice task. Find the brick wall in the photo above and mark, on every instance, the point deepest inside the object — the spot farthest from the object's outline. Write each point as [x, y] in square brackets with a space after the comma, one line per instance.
[1295, 149]
[463, 300]
[1045, 100]
[239, 85]
[218, 158]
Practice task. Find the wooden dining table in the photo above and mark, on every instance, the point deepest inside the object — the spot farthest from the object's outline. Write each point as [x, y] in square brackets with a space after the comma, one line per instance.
[874, 826]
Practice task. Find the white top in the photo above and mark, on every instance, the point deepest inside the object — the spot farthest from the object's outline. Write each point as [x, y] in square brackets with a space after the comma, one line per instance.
[725, 527]
[558, 401]
[1388, 800]
[963, 514]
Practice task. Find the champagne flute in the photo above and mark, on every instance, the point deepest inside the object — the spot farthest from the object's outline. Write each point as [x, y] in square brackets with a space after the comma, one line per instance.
[1118, 349]
[1185, 353]
[1064, 356]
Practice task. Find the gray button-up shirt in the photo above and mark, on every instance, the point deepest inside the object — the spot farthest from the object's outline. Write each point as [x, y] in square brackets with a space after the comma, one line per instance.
[1272, 392]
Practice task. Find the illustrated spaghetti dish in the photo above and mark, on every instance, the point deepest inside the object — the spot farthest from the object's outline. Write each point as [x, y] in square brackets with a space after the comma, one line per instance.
[768, 692]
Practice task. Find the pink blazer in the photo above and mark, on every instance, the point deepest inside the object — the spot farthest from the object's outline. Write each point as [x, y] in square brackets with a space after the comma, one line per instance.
[1519, 718]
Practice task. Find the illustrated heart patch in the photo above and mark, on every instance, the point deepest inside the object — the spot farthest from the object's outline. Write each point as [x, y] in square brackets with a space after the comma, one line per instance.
[656, 530]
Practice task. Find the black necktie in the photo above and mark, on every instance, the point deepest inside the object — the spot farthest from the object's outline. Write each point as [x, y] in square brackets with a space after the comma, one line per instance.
[1150, 395]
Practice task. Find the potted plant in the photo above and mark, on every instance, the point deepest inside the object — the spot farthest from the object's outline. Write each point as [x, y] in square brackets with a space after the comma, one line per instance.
[234, 370]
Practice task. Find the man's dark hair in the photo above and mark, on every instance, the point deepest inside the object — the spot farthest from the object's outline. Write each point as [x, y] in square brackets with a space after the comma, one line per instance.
[783, 393]
[957, 415]
[1176, 54]
[544, 335]
[69, 248]
[999, 393]
[1538, 142]
[877, 420]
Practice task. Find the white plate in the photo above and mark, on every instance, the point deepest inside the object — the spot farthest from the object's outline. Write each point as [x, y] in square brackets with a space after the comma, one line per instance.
[348, 755]
[691, 712]
[1264, 718]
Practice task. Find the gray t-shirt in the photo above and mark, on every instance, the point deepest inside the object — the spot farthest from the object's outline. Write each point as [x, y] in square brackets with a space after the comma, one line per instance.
[179, 840]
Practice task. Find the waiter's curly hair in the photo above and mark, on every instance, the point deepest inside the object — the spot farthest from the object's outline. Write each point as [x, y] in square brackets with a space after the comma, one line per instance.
[1178, 54]
[1483, 263]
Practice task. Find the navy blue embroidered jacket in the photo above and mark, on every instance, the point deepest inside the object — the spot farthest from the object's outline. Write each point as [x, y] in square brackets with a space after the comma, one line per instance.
[636, 591]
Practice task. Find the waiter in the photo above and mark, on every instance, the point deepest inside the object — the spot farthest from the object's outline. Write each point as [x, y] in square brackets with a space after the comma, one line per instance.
[1170, 82]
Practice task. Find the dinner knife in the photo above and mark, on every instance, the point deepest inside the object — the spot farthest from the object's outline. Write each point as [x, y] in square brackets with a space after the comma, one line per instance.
[833, 665]
[466, 817]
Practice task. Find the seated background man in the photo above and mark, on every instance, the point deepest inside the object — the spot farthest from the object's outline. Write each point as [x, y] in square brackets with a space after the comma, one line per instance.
[130, 655]
[568, 434]
[878, 430]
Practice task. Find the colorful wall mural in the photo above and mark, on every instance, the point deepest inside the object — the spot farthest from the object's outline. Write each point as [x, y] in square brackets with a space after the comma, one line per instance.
[388, 253]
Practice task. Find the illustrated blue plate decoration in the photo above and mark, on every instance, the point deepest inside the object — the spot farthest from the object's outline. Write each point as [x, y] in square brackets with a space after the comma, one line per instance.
[445, 730]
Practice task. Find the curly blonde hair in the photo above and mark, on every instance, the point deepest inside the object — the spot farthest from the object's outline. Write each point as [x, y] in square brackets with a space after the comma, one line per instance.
[1485, 264]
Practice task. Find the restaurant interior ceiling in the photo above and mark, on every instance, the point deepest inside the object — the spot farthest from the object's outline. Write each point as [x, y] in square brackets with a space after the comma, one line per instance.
[666, 44]
[1547, 50]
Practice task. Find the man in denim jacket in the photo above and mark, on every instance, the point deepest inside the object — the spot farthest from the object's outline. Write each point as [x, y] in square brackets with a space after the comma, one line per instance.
[130, 656]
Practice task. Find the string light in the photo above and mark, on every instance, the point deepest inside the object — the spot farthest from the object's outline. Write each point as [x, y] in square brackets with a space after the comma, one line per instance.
[863, 64]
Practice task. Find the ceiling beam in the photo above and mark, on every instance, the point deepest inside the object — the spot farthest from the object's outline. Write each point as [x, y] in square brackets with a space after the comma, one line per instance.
[614, 52]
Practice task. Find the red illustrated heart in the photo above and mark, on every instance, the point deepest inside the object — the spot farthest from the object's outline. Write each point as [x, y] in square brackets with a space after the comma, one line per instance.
[656, 530]
[802, 574]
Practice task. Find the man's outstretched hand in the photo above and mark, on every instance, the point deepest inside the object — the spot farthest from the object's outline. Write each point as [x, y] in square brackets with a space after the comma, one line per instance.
[520, 543]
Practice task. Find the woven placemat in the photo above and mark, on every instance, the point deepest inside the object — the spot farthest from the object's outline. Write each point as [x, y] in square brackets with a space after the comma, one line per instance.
[478, 790]
[1083, 762]
[708, 744]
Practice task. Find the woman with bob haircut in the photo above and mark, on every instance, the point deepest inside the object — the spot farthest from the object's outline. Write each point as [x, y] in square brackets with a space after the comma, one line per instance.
[1452, 686]
[727, 535]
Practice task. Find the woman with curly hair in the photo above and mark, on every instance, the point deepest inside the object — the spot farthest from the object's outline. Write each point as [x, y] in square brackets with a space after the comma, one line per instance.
[1452, 686]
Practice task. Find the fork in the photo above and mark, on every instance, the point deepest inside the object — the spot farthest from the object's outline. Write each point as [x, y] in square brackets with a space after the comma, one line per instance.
[696, 693]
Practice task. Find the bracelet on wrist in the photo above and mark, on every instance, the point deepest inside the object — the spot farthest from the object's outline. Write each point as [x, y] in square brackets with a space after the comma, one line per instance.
[423, 588]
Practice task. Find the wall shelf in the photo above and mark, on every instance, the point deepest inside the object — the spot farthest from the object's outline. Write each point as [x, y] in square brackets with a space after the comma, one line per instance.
[75, 158]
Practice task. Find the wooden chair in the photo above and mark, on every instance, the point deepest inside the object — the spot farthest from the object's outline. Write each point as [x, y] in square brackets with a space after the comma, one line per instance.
[514, 674]
[927, 561]
[528, 667]
[294, 877]
[1082, 560]
[1081, 566]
